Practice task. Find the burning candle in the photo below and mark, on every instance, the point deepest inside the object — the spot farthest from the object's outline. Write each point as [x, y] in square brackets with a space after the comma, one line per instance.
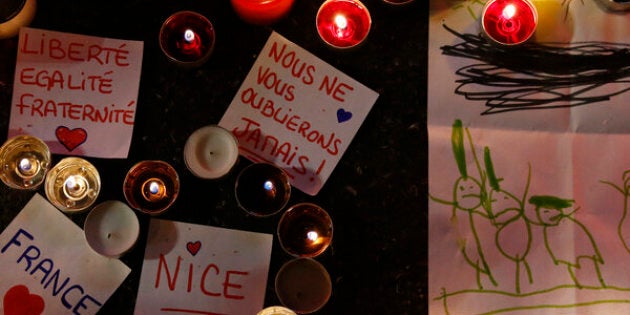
[305, 230]
[25, 161]
[509, 22]
[262, 12]
[187, 38]
[111, 228]
[276, 310]
[343, 23]
[15, 14]
[151, 186]
[262, 189]
[211, 152]
[73, 184]
[303, 285]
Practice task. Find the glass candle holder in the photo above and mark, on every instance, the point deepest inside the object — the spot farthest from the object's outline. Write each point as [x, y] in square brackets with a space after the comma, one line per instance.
[303, 285]
[398, 2]
[276, 310]
[25, 161]
[151, 186]
[262, 12]
[509, 22]
[262, 189]
[305, 230]
[343, 24]
[211, 152]
[111, 228]
[72, 185]
[187, 38]
[15, 14]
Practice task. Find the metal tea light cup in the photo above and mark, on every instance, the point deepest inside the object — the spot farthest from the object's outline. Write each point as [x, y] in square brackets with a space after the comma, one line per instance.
[262, 189]
[72, 185]
[305, 230]
[303, 285]
[151, 186]
[25, 161]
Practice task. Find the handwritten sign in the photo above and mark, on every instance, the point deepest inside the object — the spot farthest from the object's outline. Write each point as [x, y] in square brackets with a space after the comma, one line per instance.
[48, 268]
[198, 269]
[298, 112]
[77, 93]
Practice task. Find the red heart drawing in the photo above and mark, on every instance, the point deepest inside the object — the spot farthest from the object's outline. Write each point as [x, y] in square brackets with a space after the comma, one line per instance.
[19, 301]
[71, 138]
[193, 247]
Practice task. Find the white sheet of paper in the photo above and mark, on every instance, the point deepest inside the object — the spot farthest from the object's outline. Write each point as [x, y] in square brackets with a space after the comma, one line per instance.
[191, 268]
[47, 264]
[298, 112]
[77, 93]
[528, 209]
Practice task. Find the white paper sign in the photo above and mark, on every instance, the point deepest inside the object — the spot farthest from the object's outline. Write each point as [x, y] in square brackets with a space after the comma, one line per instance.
[77, 93]
[48, 267]
[197, 269]
[298, 112]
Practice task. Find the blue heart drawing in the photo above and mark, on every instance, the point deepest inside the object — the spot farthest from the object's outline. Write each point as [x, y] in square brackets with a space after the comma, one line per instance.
[343, 115]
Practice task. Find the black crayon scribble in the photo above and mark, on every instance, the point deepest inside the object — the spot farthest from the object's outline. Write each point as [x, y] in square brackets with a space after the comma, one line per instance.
[538, 76]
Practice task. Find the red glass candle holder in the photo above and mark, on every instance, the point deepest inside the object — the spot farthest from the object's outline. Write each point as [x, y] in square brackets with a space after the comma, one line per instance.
[305, 230]
[262, 12]
[187, 38]
[509, 22]
[151, 186]
[343, 23]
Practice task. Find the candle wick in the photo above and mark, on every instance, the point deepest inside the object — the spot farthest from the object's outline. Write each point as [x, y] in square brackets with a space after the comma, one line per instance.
[109, 235]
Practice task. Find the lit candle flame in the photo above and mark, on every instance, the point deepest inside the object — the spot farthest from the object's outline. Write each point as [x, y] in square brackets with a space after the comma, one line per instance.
[189, 35]
[341, 21]
[509, 11]
[154, 187]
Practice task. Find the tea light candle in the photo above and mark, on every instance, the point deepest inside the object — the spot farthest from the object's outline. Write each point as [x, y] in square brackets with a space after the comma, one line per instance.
[15, 14]
[211, 152]
[25, 161]
[187, 38]
[303, 285]
[276, 310]
[343, 23]
[509, 22]
[262, 12]
[262, 189]
[151, 186]
[73, 184]
[305, 230]
[111, 228]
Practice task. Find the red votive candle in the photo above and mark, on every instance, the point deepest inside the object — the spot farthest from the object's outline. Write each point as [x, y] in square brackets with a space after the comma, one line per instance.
[187, 38]
[262, 12]
[343, 23]
[509, 22]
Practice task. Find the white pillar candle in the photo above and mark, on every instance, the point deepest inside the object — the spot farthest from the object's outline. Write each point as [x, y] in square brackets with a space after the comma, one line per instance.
[111, 228]
[211, 152]
[18, 13]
